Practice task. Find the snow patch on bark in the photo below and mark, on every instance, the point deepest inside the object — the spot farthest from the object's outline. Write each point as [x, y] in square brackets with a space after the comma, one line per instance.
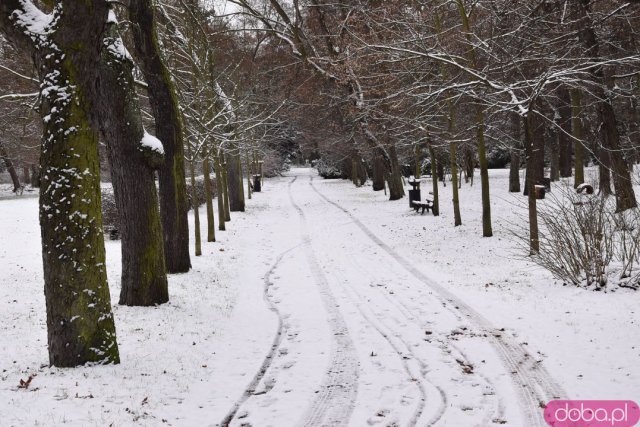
[32, 19]
[151, 142]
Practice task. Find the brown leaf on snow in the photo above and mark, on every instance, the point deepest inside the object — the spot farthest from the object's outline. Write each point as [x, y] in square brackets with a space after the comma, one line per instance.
[25, 384]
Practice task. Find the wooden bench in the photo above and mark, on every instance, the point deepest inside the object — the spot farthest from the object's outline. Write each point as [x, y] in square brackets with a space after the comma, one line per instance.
[426, 205]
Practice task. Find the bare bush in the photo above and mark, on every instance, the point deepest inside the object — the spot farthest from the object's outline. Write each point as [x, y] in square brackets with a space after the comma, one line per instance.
[584, 242]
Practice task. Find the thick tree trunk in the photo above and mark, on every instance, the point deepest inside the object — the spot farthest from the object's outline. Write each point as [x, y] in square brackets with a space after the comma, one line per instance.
[169, 129]
[604, 173]
[234, 179]
[208, 194]
[144, 279]
[396, 188]
[378, 173]
[362, 171]
[80, 326]
[514, 167]
[10, 168]
[578, 135]
[611, 146]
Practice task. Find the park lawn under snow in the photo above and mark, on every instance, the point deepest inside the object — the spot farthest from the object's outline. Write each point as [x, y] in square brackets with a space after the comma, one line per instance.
[403, 358]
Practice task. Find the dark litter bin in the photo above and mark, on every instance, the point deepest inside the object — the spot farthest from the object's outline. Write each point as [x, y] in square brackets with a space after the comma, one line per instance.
[257, 184]
[414, 193]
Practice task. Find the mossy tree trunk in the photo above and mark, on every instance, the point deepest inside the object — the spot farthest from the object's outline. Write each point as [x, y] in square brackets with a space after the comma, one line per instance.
[80, 325]
[169, 129]
[133, 165]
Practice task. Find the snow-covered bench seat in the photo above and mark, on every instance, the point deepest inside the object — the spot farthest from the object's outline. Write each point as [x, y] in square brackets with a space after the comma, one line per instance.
[426, 205]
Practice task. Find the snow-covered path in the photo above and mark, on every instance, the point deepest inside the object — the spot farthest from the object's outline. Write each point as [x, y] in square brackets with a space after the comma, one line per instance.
[397, 348]
[326, 304]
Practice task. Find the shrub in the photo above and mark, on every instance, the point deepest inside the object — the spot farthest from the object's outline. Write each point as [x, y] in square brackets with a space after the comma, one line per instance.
[585, 243]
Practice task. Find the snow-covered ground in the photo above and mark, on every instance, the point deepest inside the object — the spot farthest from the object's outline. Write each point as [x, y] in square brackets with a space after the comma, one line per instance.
[326, 304]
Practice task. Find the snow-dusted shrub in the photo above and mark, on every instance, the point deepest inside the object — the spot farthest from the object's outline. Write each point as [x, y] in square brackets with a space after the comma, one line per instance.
[585, 243]
[327, 169]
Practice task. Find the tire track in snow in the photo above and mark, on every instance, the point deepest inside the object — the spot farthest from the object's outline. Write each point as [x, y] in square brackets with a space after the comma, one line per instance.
[277, 341]
[432, 394]
[387, 333]
[409, 314]
[533, 383]
[334, 402]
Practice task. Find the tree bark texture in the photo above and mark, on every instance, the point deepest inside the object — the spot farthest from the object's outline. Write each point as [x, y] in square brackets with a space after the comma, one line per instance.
[80, 326]
[144, 279]
[169, 129]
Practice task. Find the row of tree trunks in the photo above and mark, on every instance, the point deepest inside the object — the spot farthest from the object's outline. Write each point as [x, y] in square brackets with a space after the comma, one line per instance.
[610, 155]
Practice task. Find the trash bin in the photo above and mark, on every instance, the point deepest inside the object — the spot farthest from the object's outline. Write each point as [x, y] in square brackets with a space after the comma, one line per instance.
[414, 193]
[257, 184]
